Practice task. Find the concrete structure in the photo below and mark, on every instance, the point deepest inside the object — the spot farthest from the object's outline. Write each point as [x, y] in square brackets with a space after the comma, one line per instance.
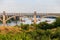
[7, 16]
[35, 17]
[5, 19]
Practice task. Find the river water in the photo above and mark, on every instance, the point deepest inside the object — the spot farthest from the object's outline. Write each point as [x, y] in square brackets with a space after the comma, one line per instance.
[28, 21]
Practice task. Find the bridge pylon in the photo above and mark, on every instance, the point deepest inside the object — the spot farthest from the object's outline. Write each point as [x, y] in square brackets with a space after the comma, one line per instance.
[4, 18]
[35, 17]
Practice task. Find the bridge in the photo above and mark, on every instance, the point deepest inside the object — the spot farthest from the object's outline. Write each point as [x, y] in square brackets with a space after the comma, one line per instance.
[7, 16]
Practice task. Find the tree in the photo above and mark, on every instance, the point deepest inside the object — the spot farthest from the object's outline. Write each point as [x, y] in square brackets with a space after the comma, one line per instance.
[57, 22]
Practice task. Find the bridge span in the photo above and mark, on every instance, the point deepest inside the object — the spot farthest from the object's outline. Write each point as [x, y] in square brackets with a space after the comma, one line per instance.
[7, 16]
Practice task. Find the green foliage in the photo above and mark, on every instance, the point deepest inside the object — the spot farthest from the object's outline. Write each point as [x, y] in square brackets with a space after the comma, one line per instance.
[17, 36]
[38, 34]
[9, 21]
[25, 26]
[0, 22]
[45, 26]
[57, 22]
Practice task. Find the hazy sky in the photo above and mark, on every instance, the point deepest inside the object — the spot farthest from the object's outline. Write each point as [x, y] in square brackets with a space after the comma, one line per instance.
[30, 6]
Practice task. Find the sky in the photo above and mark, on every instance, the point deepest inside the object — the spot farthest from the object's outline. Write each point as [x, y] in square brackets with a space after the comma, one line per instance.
[29, 6]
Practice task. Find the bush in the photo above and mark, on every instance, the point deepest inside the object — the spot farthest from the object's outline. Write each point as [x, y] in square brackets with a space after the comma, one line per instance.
[25, 26]
[57, 22]
[45, 26]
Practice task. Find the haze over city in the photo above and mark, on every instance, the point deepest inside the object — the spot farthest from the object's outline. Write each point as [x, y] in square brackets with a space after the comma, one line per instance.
[28, 6]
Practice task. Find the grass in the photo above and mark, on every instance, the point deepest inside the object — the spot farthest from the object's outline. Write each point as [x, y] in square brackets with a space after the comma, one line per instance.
[16, 33]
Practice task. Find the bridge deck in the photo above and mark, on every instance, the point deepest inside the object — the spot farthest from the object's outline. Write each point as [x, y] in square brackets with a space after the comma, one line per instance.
[28, 14]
